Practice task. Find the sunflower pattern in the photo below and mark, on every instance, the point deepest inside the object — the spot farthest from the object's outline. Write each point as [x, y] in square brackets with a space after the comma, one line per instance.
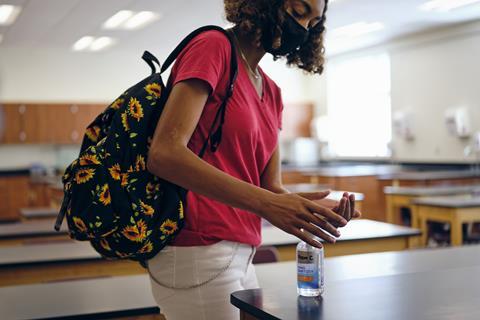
[135, 109]
[154, 90]
[113, 201]
[89, 159]
[93, 133]
[84, 175]
[104, 196]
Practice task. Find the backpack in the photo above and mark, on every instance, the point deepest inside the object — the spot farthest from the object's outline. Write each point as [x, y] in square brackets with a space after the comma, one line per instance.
[110, 198]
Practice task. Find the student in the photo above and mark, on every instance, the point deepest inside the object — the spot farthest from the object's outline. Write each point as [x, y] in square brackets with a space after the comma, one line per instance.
[233, 188]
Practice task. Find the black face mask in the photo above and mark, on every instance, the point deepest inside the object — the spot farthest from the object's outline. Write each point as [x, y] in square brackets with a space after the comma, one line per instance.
[293, 36]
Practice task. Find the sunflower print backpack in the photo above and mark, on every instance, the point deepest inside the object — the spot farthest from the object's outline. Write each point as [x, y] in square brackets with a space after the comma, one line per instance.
[110, 198]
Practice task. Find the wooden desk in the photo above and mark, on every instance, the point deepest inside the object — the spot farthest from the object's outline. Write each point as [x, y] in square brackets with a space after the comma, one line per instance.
[359, 236]
[16, 233]
[401, 197]
[37, 263]
[99, 298]
[417, 284]
[361, 179]
[453, 210]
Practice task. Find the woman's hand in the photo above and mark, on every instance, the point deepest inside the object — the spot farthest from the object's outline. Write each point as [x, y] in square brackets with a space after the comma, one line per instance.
[294, 213]
[345, 207]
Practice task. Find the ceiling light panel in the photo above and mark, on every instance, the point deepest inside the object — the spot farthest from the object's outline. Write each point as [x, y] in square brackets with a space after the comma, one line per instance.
[83, 43]
[89, 43]
[8, 14]
[101, 43]
[141, 19]
[130, 20]
[117, 20]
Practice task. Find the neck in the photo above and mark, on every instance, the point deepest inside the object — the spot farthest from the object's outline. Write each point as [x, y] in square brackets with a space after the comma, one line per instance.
[252, 53]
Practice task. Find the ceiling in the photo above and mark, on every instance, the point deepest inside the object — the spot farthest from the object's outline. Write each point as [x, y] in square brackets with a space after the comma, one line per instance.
[59, 23]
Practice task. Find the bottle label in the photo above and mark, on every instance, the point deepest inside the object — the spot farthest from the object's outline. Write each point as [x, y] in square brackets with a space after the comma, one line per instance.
[308, 270]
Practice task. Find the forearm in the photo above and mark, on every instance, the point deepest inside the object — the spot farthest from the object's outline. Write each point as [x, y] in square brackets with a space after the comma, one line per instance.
[277, 189]
[184, 168]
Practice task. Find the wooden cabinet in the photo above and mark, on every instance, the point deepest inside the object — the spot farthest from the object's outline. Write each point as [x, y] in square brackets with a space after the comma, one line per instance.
[18, 192]
[12, 123]
[14, 195]
[46, 123]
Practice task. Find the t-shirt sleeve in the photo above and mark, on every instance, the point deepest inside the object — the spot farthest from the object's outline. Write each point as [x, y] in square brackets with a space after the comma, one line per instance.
[204, 58]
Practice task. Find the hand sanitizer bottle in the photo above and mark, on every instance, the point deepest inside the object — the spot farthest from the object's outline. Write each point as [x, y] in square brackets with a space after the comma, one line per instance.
[310, 270]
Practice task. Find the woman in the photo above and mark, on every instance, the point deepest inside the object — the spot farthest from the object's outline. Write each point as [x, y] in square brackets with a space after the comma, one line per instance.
[233, 188]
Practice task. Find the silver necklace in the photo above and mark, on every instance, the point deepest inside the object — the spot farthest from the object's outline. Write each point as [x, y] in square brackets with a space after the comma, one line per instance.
[256, 74]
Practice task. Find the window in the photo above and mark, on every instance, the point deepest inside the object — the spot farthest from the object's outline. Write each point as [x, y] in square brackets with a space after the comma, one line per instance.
[359, 107]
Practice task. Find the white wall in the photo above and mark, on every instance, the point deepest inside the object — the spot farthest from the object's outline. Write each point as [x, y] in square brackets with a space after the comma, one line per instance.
[55, 75]
[431, 72]
[429, 77]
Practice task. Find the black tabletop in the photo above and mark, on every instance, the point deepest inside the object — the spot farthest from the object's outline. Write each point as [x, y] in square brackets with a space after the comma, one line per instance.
[81, 299]
[369, 265]
[35, 228]
[39, 212]
[362, 229]
[450, 202]
[432, 190]
[58, 252]
[431, 175]
[438, 294]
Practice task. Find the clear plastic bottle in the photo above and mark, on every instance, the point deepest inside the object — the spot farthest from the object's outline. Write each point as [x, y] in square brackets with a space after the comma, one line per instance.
[310, 270]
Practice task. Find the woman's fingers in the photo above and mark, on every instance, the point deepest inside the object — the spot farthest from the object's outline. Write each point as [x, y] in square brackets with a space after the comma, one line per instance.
[331, 216]
[305, 237]
[351, 198]
[314, 195]
[317, 232]
[320, 222]
[348, 214]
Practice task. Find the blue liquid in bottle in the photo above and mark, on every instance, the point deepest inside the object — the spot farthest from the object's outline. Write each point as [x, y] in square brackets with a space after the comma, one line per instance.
[310, 270]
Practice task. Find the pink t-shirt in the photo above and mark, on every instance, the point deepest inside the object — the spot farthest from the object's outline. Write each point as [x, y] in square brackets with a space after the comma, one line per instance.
[249, 138]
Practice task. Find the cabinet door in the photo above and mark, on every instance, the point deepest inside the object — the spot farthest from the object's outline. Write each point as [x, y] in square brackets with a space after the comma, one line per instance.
[61, 121]
[13, 123]
[14, 196]
[37, 128]
[4, 202]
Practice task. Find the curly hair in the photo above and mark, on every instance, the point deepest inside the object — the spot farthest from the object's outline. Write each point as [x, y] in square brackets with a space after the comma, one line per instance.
[262, 19]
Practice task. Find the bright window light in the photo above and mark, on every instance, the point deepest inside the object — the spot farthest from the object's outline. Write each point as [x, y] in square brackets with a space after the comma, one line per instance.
[357, 29]
[83, 43]
[101, 43]
[359, 107]
[446, 5]
[118, 19]
[8, 14]
[141, 19]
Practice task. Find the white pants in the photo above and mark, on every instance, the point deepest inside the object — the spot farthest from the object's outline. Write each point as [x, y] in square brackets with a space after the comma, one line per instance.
[180, 268]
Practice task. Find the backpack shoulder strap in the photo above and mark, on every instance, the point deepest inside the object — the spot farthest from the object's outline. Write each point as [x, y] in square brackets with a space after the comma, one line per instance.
[213, 138]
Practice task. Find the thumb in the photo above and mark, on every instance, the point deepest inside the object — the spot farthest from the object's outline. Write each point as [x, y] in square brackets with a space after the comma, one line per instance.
[314, 195]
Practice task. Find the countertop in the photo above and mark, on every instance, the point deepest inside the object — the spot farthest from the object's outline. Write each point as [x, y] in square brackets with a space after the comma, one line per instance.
[420, 284]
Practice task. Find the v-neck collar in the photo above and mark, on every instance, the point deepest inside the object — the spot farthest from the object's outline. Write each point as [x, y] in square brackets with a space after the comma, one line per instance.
[259, 98]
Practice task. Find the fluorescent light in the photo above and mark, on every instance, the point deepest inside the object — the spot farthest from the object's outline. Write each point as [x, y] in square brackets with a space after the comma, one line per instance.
[8, 14]
[141, 19]
[445, 5]
[101, 43]
[83, 43]
[357, 29]
[118, 19]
